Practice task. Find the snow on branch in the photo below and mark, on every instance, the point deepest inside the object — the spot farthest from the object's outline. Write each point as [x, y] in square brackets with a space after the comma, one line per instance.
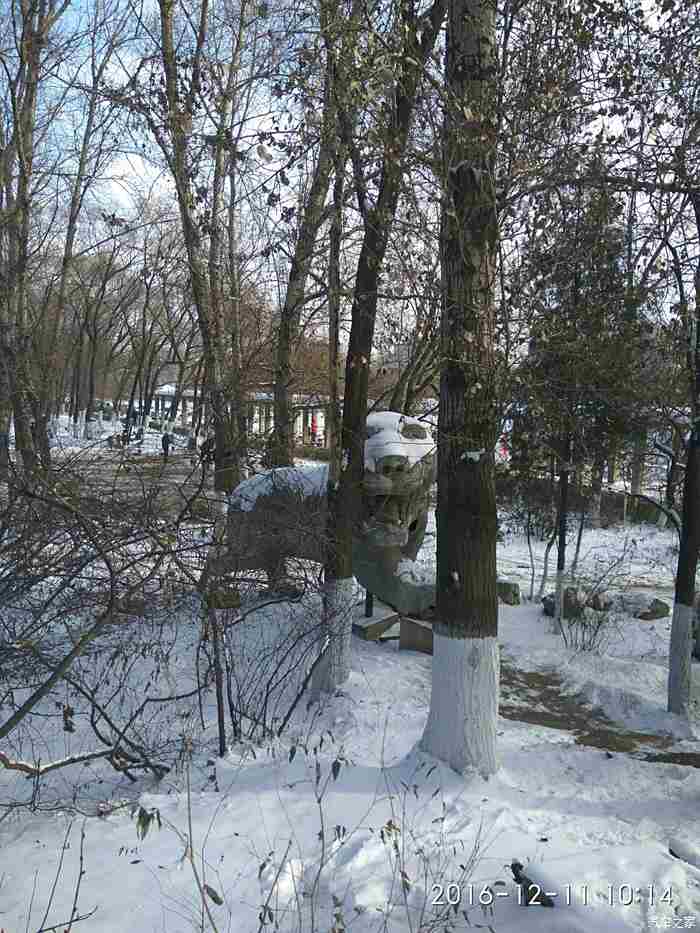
[38, 770]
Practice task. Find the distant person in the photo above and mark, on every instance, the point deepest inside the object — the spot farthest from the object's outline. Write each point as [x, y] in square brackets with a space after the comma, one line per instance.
[165, 444]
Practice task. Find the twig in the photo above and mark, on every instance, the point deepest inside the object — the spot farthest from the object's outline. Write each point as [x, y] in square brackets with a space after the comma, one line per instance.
[31, 901]
[266, 905]
[58, 873]
[81, 872]
[59, 926]
[302, 690]
[190, 850]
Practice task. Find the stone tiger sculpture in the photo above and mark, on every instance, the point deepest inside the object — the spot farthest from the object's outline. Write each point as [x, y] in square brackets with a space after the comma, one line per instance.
[281, 514]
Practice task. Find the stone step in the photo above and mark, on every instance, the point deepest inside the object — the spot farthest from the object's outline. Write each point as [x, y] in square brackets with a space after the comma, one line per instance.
[383, 618]
[391, 634]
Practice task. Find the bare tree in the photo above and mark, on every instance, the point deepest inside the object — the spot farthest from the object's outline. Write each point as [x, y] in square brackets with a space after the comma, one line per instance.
[312, 216]
[25, 65]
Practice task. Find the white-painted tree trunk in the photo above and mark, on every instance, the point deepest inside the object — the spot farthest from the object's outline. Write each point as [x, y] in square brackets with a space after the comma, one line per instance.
[463, 717]
[338, 605]
[679, 662]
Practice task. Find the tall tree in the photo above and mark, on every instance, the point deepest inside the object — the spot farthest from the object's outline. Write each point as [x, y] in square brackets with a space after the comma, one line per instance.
[27, 64]
[404, 59]
[312, 217]
[461, 726]
[191, 91]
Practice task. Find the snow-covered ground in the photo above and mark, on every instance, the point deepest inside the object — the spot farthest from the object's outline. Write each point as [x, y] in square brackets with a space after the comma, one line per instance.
[342, 824]
[66, 442]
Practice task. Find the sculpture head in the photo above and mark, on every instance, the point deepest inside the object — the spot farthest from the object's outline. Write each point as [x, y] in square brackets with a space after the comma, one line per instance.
[400, 467]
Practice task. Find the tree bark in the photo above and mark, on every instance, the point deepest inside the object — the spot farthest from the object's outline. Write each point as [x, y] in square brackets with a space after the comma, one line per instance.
[679, 661]
[564, 468]
[461, 726]
[679, 673]
[638, 464]
[334, 667]
[596, 490]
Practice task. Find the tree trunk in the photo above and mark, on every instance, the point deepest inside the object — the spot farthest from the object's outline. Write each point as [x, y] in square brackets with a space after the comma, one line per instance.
[596, 490]
[679, 661]
[461, 726]
[338, 591]
[674, 472]
[545, 563]
[564, 468]
[377, 225]
[528, 535]
[638, 458]
[215, 632]
[91, 382]
[679, 672]
[5, 418]
[398, 394]
[235, 324]
[612, 461]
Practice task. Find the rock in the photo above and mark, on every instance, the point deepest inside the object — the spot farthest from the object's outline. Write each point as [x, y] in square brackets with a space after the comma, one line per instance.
[372, 628]
[601, 602]
[642, 606]
[508, 592]
[657, 609]
[572, 604]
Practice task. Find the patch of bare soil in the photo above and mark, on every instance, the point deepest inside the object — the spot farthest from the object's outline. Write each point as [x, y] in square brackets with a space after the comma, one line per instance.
[540, 698]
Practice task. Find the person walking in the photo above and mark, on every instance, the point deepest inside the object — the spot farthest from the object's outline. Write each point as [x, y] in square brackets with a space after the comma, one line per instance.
[165, 444]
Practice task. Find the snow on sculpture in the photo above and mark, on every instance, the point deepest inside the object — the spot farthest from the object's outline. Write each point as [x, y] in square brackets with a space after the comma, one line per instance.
[281, 514]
